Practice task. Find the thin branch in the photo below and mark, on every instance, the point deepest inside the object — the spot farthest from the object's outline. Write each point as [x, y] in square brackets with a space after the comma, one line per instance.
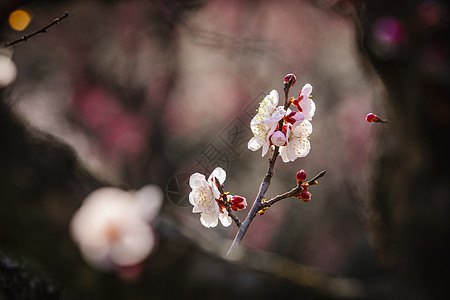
[256, 204]
[313, 180]
[226, 204]
[294, 192]
[42, 30]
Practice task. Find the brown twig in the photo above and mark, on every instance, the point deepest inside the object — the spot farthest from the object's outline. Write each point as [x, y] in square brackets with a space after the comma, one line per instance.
[257, 204]
[313, 180]
[224, 201]
[294, 192]
[42, 30]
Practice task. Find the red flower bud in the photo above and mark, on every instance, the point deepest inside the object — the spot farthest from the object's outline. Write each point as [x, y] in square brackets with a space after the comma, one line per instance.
[290, 79]
[372, 118]
[305, 196]
[301, 176]
[237, 203]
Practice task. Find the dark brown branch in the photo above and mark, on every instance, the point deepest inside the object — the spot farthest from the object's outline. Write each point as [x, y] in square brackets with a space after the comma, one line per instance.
[42, 30]
[257, 204]
[313, 180]
[224, 201]
[294, 192]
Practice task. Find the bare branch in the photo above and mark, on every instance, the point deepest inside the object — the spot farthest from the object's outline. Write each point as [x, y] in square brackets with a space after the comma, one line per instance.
[313, 180]
[277, 198]
[42, 30]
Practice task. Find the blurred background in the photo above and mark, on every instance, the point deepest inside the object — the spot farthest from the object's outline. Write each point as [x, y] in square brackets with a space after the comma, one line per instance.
[129, 93]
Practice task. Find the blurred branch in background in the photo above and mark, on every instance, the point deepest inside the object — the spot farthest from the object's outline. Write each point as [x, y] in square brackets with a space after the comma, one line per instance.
[44, 29]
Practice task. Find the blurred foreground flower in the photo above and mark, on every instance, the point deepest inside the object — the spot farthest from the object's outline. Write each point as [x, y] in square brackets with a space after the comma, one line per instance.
[112, 226]
[206, 199]
[8, 70]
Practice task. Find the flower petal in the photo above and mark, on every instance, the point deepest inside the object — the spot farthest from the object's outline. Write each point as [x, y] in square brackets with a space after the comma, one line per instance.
[283, 154]
[225, 219]
[191, 198]
[290, 152]
[219, 173]
[306, 90]
[299, 148]
[304, 130]
[196, 209]
[277, 115]
[265, 148]
[312, 111]
[209, 220]
[197, 180]
[267, 106]
[253, 144]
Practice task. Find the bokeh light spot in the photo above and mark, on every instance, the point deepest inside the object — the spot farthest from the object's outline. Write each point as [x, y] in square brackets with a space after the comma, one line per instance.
[19, 19]
[430, 13]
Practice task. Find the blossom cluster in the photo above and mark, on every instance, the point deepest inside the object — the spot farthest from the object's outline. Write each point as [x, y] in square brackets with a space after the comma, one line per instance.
[272, 126]
[287, 129]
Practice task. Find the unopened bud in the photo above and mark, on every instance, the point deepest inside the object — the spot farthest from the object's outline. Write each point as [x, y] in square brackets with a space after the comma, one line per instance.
[289, 80]
[305, 196]
[237, 203]
[278, 138]
[372, 118]
[301, 176]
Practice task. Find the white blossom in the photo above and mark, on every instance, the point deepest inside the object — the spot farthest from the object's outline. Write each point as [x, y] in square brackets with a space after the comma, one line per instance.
[204, 197]
[298, 144]
[264, 124]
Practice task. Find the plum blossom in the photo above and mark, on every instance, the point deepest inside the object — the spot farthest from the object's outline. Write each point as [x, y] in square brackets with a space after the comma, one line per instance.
[264, 124]
[205, 197]
[293, 138]
[298, 144]
[112, 226]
